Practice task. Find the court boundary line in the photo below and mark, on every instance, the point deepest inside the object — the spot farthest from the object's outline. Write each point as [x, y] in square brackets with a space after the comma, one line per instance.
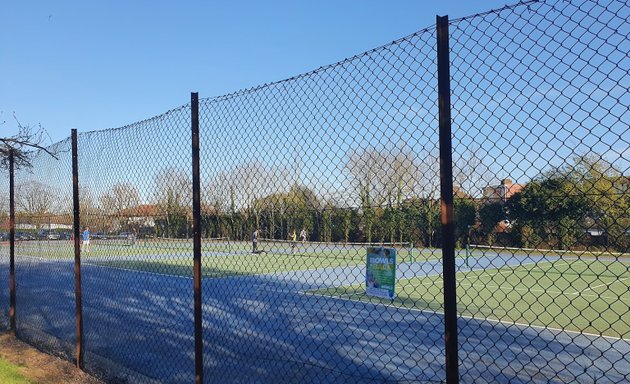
[135, 270]
[108, 267]
[606, 284]
[466, 316]
[560, 260]
[529, 251]
[542, 291]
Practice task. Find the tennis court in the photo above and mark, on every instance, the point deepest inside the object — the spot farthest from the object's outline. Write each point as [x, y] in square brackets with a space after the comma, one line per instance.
[319, 315]
[235, 258]
[566, 293]
[221, 256]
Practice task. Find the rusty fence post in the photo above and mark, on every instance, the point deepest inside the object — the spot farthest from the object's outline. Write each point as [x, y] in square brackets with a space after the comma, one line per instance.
[77, 251]
[446, 197]
[12, 243]
[194, 104]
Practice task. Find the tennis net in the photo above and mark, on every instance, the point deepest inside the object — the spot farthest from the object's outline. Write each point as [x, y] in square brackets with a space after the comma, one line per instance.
[207, 244]
[473, 250]
[404, 250]
[114, 240]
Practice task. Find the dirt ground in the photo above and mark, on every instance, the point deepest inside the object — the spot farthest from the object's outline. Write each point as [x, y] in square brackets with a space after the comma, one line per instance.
[40, 367]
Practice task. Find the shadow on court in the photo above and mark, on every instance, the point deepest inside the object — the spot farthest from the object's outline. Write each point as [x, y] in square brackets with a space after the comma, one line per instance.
[139, 327]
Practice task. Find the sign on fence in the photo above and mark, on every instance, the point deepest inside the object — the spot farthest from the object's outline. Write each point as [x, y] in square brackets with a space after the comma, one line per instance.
[380, 272]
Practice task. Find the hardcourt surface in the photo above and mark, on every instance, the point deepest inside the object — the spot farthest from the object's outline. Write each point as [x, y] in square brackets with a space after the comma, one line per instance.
[270, 328]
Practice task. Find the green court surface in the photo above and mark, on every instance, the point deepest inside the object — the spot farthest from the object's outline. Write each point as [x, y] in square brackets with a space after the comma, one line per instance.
[476, 250]
[218, 258]
[65, 249]
[237, 261]
[588, 296]
[233, 265]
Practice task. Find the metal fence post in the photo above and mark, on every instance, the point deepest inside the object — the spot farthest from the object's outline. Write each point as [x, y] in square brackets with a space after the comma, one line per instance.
[446, 196]
[196, 209]
[12, 243]
[77, 251]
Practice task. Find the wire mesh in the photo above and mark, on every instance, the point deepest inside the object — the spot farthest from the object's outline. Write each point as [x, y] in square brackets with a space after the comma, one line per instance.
[540, 139]
[137, 289]
[4, 250]
[319, 169]
[44, 270]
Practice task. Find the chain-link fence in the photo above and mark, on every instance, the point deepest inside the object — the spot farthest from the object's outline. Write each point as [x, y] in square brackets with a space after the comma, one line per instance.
[540, 137]
[345, 154]
[4, 254]
[135, 195]
[323, 243]
[44, 280]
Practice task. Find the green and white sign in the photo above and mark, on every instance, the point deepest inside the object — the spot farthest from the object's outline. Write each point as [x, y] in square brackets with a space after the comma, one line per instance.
[380, 273]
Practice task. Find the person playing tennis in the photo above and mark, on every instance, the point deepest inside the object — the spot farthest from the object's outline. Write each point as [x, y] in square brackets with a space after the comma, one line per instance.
[255, 241]
[303, 236]
[86, 239]
[293, 242]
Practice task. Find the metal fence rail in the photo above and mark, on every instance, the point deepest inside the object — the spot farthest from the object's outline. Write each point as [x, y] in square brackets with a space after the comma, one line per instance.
[449, 207]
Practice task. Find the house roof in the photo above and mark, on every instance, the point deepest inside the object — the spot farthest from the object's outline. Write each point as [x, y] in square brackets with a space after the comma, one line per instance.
[505, 190]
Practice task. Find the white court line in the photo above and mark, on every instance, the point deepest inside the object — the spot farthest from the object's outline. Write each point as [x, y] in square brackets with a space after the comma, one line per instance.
[471, 317]
[541, 291]
[136, 271]
[512, 268]
[605, 284]
[528, 268]
[70, 261]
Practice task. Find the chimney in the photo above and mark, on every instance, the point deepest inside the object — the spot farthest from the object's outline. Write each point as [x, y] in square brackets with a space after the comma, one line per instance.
[506, 182]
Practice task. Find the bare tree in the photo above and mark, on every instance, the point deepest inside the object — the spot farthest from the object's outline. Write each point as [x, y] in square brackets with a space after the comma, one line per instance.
[4, 206]
[35, 199]
[471, 173]
[252, 182]
[367, 168]
[21, 144]
[120, 197]
[402, 172]
[88, 208]
[173, 194]
[427, 188]
[216, 193]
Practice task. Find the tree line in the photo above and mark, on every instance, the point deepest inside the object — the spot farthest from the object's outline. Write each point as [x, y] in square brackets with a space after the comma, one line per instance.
[389, 197]
[583, 204]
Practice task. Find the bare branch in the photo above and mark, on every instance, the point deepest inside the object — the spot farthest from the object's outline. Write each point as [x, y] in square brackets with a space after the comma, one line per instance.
[23, 145]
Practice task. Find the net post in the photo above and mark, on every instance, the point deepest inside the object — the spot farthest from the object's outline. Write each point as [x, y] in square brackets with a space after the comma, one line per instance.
[446, 197]
[467, 253]
[12, 243]
[77, 251]
[196, 209]
[411, 256]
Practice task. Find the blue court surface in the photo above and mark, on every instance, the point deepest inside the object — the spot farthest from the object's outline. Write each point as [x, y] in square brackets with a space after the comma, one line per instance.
[269, 328]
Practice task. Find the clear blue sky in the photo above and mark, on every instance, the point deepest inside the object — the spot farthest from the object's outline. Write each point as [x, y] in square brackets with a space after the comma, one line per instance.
[94, 65]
